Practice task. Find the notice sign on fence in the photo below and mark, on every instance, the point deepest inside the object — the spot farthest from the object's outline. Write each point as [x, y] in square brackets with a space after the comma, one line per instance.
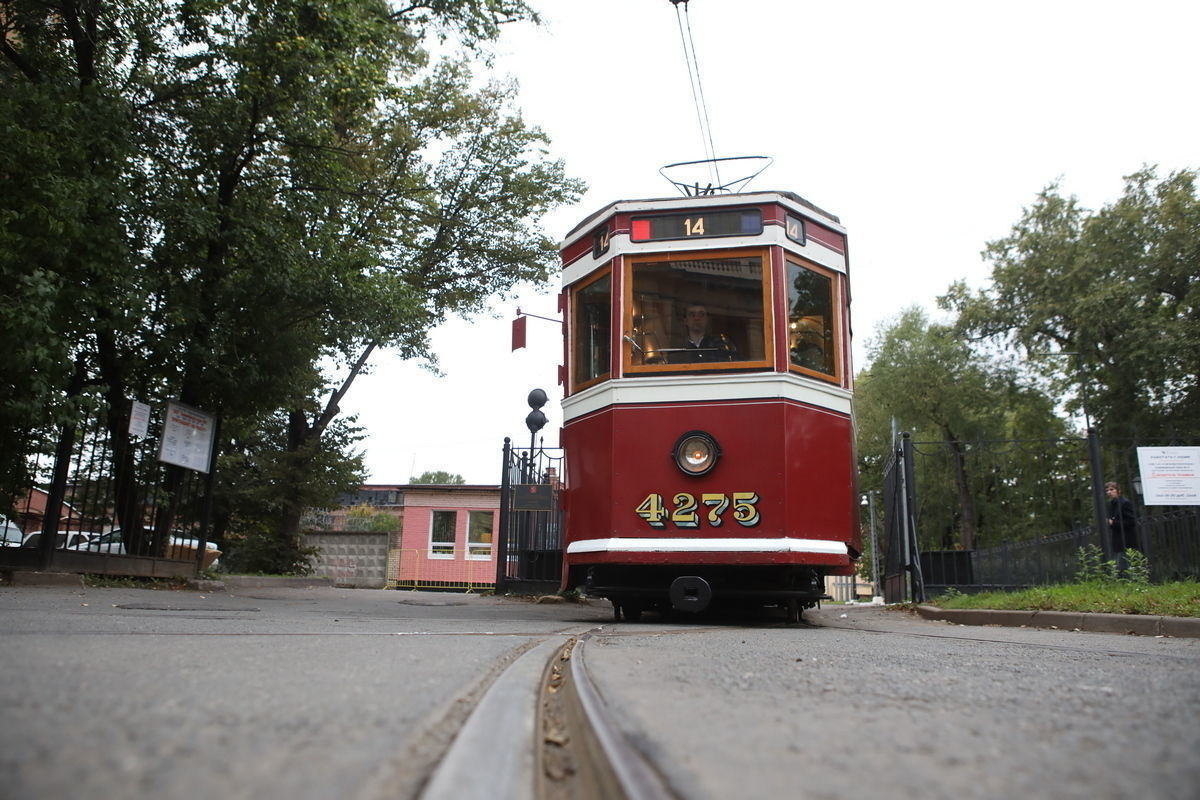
[1170, 475]
[533, 497]
[187, 438]
[139, 420]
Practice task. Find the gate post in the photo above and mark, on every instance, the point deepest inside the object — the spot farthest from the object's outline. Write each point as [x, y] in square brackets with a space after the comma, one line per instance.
[502, 542]
[908, 499]
[1099, 504]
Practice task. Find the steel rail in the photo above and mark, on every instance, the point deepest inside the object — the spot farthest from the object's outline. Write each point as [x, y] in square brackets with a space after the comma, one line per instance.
[610, 751]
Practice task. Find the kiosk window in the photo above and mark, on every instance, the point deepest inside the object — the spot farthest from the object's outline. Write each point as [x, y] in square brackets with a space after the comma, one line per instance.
[702, 311]
[592, 329]
[812, 326]
[442, 532]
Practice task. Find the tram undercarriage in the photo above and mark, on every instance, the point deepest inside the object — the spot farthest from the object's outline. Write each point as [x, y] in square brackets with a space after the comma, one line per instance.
[633, 589]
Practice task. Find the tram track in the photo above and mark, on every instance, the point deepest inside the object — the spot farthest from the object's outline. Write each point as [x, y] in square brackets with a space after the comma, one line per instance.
[582, 752]
[541, 729]
[559, 738]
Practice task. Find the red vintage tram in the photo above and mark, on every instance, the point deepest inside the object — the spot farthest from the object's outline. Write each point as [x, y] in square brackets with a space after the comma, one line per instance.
[707, 413]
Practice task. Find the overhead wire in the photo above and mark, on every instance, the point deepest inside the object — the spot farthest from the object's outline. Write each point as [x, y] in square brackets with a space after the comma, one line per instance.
[693, 67]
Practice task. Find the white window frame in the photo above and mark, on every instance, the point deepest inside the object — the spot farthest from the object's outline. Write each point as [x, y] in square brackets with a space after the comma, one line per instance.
[432, 544]
[472, 546]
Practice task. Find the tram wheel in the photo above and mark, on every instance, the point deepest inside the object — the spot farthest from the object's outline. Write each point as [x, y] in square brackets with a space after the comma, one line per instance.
[793, 611]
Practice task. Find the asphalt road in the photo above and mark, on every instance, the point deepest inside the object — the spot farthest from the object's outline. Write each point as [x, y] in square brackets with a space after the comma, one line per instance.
[316, 693]
[297, 693]
[870, 702]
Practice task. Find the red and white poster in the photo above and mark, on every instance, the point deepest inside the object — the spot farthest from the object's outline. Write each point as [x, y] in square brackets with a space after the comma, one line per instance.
[1170, 475]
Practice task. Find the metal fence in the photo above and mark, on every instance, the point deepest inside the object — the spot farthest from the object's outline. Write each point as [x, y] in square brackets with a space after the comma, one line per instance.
[988, 515]
[1170, 540]
[99, 500]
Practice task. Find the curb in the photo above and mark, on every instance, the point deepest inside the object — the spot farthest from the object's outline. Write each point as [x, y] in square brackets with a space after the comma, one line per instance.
[24, 577]
[1132, 624]
[274, 582]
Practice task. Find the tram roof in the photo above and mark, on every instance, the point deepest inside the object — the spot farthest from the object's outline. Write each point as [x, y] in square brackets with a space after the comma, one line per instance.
[708, 199]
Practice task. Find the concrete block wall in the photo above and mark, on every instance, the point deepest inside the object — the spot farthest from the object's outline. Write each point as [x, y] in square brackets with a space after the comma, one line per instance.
[350, 559]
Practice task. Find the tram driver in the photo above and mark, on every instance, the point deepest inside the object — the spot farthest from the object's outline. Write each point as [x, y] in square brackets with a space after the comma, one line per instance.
[698, 345]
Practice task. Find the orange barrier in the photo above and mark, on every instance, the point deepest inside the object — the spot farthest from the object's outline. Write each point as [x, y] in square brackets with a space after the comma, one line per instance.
[453, 569]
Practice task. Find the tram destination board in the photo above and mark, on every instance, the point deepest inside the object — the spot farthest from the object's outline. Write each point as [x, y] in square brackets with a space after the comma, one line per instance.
[697, 225]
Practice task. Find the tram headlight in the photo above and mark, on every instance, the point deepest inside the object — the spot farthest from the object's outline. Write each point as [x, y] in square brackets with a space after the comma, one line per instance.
[696, 453]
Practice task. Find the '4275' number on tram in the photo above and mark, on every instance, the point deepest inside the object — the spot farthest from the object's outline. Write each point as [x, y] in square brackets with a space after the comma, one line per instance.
[686, 512]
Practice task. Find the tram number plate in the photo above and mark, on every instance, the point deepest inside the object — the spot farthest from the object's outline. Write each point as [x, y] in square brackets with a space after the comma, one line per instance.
[686, 512]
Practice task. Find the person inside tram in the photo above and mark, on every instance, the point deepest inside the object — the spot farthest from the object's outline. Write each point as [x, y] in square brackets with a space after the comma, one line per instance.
[698, 345]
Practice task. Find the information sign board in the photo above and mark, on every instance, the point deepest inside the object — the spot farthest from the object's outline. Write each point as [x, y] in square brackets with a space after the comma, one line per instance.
[187, 437]
[1170, 475]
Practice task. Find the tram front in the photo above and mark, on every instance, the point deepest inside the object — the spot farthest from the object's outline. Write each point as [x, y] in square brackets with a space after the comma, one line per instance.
[707, 411]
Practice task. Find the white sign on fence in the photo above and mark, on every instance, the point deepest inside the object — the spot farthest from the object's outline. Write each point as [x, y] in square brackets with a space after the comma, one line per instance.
[1170, 475]
[187, 438]
[139, 420]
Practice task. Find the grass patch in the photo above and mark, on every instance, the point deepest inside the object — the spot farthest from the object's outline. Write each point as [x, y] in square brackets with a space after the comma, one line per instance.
[1179, 599]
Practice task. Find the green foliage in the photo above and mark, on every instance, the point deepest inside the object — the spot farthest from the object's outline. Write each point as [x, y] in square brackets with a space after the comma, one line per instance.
[260, 549]
[232, 203]
[929, 381]
[365, 518]
[1179, 599]
[1139, 567]
[1094, 568]
[1116, 289]
[439, 477]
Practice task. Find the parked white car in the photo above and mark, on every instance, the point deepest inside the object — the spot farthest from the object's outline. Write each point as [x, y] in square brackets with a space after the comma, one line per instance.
[11, 534]
[70, 540]
[178, 547]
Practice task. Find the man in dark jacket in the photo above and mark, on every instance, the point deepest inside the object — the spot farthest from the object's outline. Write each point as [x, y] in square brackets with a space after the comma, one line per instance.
[698, 345]
[1122, 521]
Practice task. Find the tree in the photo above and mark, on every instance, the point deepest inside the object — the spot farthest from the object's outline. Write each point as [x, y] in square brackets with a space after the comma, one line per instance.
[1116, 291]
[936, 386]
[235, 203]
[438, 477]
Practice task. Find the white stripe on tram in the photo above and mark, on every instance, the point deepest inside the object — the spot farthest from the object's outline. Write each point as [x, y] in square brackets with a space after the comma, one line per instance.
[631, 545]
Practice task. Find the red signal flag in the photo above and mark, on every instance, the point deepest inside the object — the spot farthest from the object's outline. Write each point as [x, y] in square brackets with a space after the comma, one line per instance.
[518, 333]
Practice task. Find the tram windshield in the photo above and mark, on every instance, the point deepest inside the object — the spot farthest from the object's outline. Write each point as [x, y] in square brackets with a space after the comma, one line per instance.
[812, 325]
[705, 313]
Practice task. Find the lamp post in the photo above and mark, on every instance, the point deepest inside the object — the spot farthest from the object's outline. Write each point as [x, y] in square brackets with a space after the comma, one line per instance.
[535, 421]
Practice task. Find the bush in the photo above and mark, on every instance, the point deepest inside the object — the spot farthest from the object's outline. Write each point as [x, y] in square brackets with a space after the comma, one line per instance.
[1093, 568]
[259, 549]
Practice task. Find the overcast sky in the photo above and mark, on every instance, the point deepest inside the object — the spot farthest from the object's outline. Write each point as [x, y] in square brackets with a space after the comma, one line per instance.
[925, 126]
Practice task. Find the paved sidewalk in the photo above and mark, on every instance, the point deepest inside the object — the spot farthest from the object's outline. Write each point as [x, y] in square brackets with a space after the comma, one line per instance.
[1138, 624]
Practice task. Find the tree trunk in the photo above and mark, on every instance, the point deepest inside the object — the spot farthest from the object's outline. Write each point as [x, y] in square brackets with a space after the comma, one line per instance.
[303, 435]
[966, 500]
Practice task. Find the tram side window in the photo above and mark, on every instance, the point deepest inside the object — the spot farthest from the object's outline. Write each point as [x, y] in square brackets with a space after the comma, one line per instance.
[703, 311]
[812, 324]
[592, 329]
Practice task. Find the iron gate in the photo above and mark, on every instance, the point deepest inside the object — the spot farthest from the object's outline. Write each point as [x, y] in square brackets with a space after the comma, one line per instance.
[529, 553]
